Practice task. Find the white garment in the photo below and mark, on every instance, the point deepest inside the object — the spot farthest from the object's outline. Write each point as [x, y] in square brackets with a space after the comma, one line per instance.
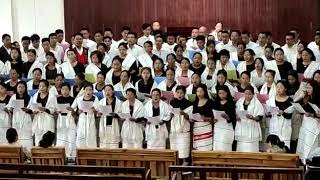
[315, 49]
[143, 39]
[109, 134]
[232, 89]
[180, 133]
[53, 91]
[43, 60]
[38, 50]
[109, 77]
[273, 90]
[242, 66]
[192, 44]
[279, 125]
[59, 51]
[163, 86]
[227, 46]
[92, 69]
[67, 70]
[5, 123]
[290, 52]
[227, 66]
[108, 57]
[58, 70]
[136, 51]
[162, 53]
[123, 89]
[128, 61]
[86, 127]
[22, 122]
[248, 132]
[308, 73]
[145, 60]
[132, 132]
[272, 65]
[251, 45]
[259, 50]
[36, 64]
[208, 82]
[42, 122]
[308, 137]
[169, 47]
[223, 135]
[255, 79]
[156, 134]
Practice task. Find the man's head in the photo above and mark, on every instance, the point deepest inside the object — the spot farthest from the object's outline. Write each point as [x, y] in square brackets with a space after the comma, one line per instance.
[124, 32]
[60, 36]
[203, 31]
[85, 33]
[290, 39]
[146, 28]
[6, 39]
[155, 25]
[35, 40]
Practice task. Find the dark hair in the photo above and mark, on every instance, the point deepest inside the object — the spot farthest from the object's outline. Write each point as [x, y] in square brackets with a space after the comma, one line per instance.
[78, 34]
[245, 32]
[269, 47]
[185, 59]
[126, 71]
[108, 29]
[101, 73]
[224, 52]
[159, 36]
[11, 135]
[249, 88]
[60, 75]
[25, 38]
[47, 139]
[32, 51]
[67, 85]
[52, 34]
[176, 47]
[19, 59]
[310, 52]
[236, 31]
[52, 55]
[125, 28]
[200, 38]
[45, 40]
[116, 58]
[103, 45]
[291, 34]
[224, 32]
[124, 45]
[132, 90]
[5, 35]
[223, 72]
[3, 84]
[294, 73]
[246, 73]
[171, 54]
[98, 54]
[242, 44]
[205, 89]
[59, 31]
[148, 42]
[272, 72]
[150, 80]
[45, 82]
[275, 140]
[36, 69]
[87, 85]
[316, 72]
[209, 42]
[261, 61]
[84, 29]
[196, 53]
[250, 51]
[34, 37]
[268, 33]
[145, 26]
[156, 89]
[170, 69]
[227, 90]
[278, 49]
[182, 88]
[133, 33]
[81, 76]
[26, 96]
[107, 37]
[98, 32]
[283, 82]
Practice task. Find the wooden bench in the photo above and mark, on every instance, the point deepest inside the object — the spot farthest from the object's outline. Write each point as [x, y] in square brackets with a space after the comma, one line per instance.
[30, 171]
[245, 159]
[234, 171]
[11, 154]
[51, 155]
[158, 161]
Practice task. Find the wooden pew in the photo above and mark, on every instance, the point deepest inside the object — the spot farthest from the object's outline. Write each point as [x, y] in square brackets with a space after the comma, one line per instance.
[51, 155]
[30, 171]
[158, 161]
[245, 159]
[11, 154]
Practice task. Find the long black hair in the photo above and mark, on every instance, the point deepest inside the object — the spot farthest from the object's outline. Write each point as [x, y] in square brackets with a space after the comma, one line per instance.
[275, 140]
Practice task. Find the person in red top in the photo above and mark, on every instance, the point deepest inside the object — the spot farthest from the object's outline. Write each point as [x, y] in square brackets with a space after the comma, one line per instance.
[82, 52]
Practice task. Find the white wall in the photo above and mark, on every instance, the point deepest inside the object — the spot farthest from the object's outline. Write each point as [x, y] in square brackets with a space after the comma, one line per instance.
[25, 17]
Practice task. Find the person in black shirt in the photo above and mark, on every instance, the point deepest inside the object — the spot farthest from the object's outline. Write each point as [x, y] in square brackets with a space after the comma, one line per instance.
[15, 61]
[158, 67]
[12, 83]
[283, 66]
[197, 66]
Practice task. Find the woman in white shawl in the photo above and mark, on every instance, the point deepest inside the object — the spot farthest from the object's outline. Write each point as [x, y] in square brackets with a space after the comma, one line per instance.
[180, 126]
[222, 78]
[34, 82]
[86, 106]
[209, 75]
[129, 62]
[132, 128]
[5, 120]
[257, 75]
[21, 116]
[269, 87]
[113, 75]
[169, 84]
[43, 106]
[71, 67]
[52, 68]
[145, 84]
[310, 129]
[96, 65]
[279, 122]
[34, 64]
[249, 112]
[183, 72]
[245, 82]
[224, 62]
[248, 63]
[66, 127]
[157, 113]
[109, 129]
[195, 82]
[124, 83]
[146, 59]
[307, 64]
[56, 89]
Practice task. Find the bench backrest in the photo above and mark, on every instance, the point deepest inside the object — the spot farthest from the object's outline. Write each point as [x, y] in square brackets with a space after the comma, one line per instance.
[51, 155]
[157, 161]
[11, 154]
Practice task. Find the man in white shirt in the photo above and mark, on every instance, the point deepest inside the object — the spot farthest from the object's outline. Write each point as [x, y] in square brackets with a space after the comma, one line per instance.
[133, 48]
[235, 39]
[246, 38]
[262, 43]
[146, 29]
[215, 32]
[296, 32]
[192, 43]
[159, 50]
[290, 48]
[98, 37]
[124, 33]
[25, 43]
[225, 43]
[45, 42]
[109, 32]
[55, 47]
[6, 48]
[60, 39]
[35, 44]
[182, 40]
[170, 44]
[315, 46]
[270, 41]
[87, 42]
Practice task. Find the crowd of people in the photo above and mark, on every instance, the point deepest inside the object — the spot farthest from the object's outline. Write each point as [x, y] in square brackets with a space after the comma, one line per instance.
[217, 90]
